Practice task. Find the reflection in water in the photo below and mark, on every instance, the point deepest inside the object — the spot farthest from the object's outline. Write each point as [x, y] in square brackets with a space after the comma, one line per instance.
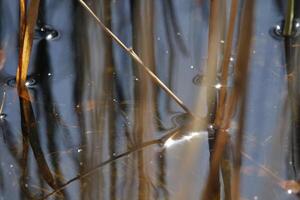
[97, 127]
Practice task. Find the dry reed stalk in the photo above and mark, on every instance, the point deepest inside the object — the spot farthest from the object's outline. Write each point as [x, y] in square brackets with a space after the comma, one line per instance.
[226, 61]
[137, 59]
[26, 39]
[231, 103]
[288, 26]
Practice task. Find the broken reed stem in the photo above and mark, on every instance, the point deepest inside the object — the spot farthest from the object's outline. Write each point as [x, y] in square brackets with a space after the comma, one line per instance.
[136, 58]
[26, 39]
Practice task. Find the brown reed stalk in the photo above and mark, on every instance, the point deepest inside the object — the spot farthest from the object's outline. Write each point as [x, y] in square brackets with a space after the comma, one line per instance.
[226, 61]
[137, 59]
[289, 18]
[238, 93]
[27, 25]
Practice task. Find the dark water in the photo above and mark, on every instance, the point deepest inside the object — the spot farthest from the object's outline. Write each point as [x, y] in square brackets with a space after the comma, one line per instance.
[96, 127]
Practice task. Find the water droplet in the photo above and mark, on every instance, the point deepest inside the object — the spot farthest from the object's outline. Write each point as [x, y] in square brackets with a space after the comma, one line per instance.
[49, 74]
[255, 197]
[222, 41]
[46, 32]
[114, 154]
[26, 185]
[167, 52]
[2, 116]
[81, 163]
[277, 31]
[178, 33]
[136, 79]
[290, 191]
[79, 150]
[192, 66]
[30, 82]
[11, 166]
[231, 59]
[158, 38]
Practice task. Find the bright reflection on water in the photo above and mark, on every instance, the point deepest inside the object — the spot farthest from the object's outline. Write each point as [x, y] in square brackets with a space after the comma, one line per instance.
[186, 138]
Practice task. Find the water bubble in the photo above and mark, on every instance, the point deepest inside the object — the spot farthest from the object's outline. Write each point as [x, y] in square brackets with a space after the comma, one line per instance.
[2, 116]
[158, 38]
[231, 59]
[290, 191]
[277, 30]
[28, 83]
[178, 33]
[114, 154]
[79, 150]
[167, 52]
[11, 166]
[255, 197]
[49, 74]
[46, 32]
[198, 79]
[192, 66]
[222, 41]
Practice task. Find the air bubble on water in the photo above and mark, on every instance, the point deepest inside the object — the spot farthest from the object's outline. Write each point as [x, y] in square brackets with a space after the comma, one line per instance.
[158, 38]
[11, 166]
[46, 32]
[222, 41]
[114, 154]
[231, 59]
[30, 82]
[255, 197]
[49, 74]
[2, 116]
[178, 33]
[290, 191]
[197, 79]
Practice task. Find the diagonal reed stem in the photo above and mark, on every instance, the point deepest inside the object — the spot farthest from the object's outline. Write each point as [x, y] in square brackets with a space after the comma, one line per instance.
[137, 59]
